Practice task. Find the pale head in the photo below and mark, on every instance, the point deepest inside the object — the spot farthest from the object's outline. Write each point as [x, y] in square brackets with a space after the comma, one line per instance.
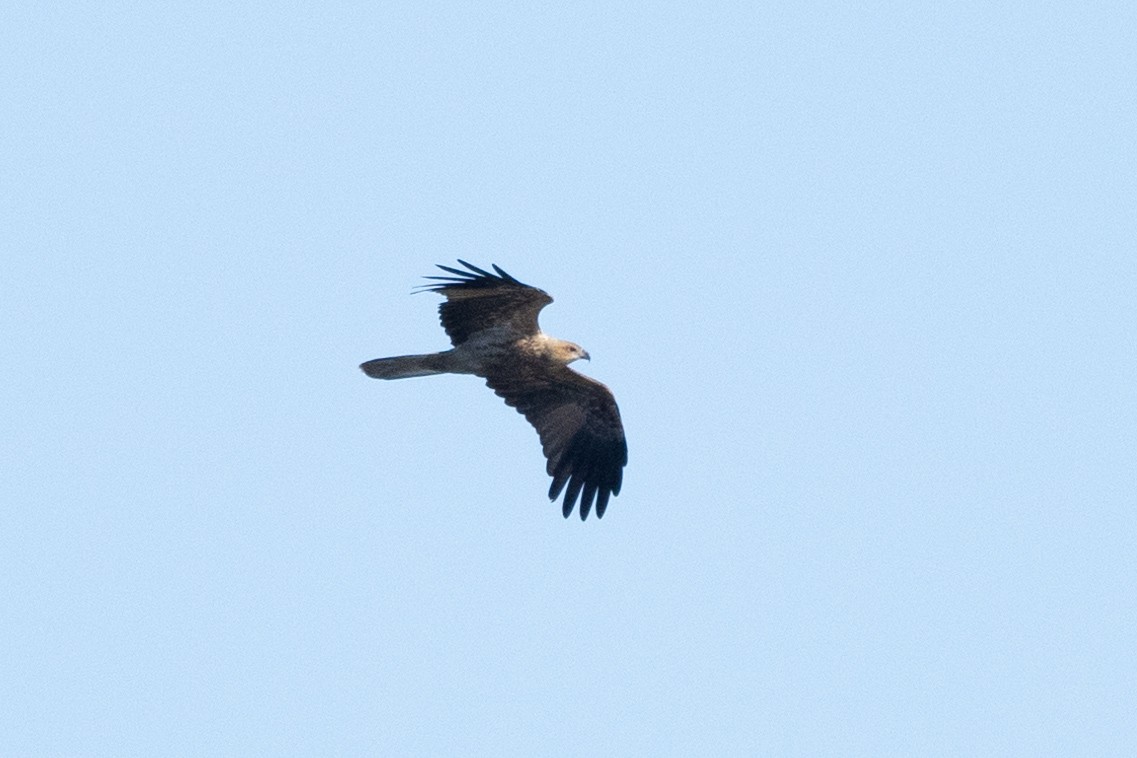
[565, 352]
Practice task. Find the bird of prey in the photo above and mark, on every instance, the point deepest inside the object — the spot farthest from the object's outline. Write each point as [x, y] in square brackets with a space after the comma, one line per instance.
[491, 319]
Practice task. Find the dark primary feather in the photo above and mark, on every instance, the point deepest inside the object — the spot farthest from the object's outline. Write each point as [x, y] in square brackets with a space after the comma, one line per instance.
[477, 300]
[579, 426]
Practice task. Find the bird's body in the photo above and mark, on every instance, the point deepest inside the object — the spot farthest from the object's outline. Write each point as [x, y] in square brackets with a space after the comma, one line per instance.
[486, 353]
[492, 323]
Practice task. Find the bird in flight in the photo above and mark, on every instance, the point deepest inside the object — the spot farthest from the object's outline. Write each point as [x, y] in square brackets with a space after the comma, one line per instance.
[491, 319]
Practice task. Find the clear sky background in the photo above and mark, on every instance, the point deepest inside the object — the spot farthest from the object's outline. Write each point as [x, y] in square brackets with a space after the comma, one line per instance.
[863, 279]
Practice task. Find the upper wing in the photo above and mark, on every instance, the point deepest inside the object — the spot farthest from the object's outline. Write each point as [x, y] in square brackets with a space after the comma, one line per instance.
[477, 300]
[579, 425]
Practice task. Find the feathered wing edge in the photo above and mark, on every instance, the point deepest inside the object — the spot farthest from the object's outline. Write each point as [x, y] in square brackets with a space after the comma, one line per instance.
[474, 278]
[590, 467]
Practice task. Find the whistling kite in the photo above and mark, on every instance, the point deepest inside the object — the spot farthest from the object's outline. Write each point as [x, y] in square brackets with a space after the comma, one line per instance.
[492, 322]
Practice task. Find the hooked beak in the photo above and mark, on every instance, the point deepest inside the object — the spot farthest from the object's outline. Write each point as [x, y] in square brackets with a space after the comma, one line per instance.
[586, 356]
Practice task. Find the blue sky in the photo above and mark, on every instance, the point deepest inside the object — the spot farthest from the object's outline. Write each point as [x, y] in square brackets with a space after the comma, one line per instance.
[862, 278]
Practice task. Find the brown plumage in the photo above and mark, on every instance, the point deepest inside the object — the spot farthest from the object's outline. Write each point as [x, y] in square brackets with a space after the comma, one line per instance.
[491, 319]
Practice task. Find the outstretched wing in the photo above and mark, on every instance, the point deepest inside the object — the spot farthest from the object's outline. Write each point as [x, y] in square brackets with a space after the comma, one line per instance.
[477, 301]
[579, 425]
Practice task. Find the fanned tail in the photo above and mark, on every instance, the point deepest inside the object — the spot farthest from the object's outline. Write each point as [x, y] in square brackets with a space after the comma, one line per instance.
[406, 366]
